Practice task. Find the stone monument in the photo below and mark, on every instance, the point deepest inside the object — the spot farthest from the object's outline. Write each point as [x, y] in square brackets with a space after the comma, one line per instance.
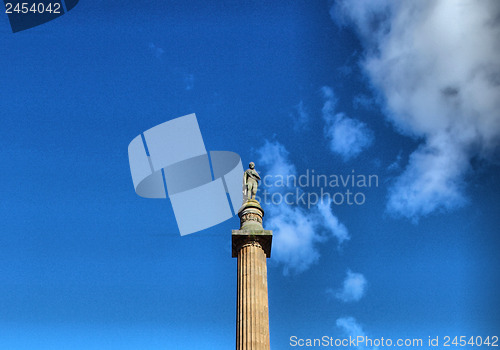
[251, 244]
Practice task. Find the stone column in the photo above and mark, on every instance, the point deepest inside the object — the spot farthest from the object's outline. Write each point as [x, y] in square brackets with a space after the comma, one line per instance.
[251, 244]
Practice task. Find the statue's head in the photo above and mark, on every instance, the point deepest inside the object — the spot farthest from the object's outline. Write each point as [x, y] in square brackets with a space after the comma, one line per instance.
[251, 165]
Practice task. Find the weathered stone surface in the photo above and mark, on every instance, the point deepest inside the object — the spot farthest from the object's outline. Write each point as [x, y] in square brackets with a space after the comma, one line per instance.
[251, 214]
[242, 237]
[252, 324]
[252, 245]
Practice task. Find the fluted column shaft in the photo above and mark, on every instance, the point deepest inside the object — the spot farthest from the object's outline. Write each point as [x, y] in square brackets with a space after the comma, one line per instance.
[251, 244]
[252, 324]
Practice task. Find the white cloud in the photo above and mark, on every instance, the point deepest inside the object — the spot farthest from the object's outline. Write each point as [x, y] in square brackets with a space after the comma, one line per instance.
[353, 287]
[336, 228]
[433, 180]
[295, 238]
[274, 157]
[353, 329]
[348, 137]
[297, 232]
[350, 326]
[436, 64]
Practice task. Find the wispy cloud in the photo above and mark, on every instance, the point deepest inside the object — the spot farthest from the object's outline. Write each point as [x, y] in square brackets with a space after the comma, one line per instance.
[363, 101]
[331, 222]
[436, 64]
[188, 81]
[296, 237]
[297, 232]
[347, 137]
[155, 50]
[352, 328]
[274, 157]
[396, 165]
[353, 287]
[300, 116]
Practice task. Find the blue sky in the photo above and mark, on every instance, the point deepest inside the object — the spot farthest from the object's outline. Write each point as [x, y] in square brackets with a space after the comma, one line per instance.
[406, 91]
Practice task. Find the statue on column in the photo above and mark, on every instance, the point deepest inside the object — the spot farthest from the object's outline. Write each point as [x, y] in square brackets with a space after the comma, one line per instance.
[251, 180]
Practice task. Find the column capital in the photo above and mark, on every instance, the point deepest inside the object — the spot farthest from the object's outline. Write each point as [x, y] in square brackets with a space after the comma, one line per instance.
[242, 237]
